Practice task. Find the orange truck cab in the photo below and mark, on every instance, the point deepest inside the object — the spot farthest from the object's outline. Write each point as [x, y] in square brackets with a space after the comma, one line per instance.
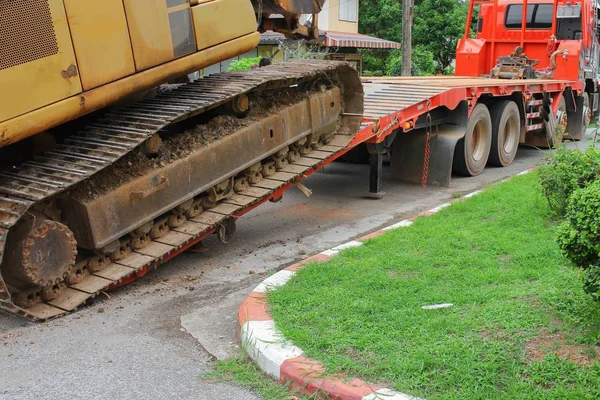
[561, 35]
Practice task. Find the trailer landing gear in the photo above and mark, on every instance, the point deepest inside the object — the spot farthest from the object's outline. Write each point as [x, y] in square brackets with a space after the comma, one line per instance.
[375, 170]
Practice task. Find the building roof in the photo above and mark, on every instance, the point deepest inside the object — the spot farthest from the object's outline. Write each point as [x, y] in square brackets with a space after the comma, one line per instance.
[336, 39]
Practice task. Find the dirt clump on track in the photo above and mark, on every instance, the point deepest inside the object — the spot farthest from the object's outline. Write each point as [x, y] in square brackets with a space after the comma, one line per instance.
[179, 145]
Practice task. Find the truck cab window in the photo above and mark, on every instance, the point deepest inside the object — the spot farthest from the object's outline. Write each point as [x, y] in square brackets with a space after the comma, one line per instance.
[539, 16]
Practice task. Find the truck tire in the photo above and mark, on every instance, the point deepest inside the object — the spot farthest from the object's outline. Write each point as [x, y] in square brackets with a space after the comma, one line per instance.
[472, 151]
[576, 119]
[506, 131]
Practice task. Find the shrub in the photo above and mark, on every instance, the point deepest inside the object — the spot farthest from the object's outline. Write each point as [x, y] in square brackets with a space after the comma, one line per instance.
[422, 63]
[243, 64]
[579, 234]
[566, 171]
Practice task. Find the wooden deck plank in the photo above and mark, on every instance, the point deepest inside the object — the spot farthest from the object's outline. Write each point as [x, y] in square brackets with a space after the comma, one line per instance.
[225, 209]
[321, 155]
[256, 192]
[308, 162]
[240, 200]
[114, 272]
[174, 238]
[192, 228]
[294, 169]
[331, 148]
[45, 311]
[283, 176]
[341, 140]
[209, 218]
[155, 249]
[136, 261]
[269, 184]
[92, 284]
[70, 299]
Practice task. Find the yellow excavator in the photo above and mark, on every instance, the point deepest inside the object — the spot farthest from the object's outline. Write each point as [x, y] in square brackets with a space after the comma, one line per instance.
[104, 173]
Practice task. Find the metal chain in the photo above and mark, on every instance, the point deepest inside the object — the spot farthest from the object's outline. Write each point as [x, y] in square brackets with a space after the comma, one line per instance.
[427, 148]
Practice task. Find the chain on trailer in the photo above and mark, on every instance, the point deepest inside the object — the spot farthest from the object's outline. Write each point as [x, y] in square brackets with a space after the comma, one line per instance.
[427, 146]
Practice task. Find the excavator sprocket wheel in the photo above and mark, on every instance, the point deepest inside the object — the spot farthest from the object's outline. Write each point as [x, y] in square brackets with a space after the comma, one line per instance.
[42, 252]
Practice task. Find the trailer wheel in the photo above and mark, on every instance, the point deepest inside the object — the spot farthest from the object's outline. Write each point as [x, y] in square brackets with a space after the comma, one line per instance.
[472, 151]
[577, 120]
[506, 131]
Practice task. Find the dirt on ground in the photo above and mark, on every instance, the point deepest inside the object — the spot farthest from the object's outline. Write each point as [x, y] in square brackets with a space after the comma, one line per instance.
[181, 144]
[556, 343]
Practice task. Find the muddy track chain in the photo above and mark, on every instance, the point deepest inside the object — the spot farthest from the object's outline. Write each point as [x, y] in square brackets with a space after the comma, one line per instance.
[122, 129]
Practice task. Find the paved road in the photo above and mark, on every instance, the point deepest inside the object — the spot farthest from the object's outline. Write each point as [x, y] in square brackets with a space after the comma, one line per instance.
[130, 343]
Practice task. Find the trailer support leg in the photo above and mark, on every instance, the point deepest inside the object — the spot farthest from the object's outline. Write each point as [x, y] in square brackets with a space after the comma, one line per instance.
[376, 169]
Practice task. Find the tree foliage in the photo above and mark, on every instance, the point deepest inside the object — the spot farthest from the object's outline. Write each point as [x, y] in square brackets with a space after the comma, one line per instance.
[437, 26]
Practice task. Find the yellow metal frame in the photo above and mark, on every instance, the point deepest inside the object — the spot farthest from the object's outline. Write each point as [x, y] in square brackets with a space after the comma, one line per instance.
[19, 128]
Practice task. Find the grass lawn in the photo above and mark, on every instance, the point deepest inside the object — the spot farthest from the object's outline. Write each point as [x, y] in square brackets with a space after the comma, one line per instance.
[246, 374]
[521, 326]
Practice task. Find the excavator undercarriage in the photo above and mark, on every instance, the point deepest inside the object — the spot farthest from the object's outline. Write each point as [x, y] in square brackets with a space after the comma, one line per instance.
[141, 182]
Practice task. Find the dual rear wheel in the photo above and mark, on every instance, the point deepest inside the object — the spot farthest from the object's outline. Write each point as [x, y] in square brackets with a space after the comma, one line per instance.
[491, 138]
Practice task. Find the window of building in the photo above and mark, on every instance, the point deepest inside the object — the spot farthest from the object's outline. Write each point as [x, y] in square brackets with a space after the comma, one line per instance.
[348, 10]
[539, 16]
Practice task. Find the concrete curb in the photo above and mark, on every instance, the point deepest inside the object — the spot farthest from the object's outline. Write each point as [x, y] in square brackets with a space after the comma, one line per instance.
[281, 359]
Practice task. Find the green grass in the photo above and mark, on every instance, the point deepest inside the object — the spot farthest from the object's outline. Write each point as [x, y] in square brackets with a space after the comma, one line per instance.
[516, 306]
[246, 374]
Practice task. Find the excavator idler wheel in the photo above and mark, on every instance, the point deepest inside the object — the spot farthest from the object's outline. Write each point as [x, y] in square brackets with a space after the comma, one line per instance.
[52, 292]
[78, 273]
[226, 230]
[28, 298]
[269, 168]
[160, 229]
[123, 251]
[40, 252]
[241, 184]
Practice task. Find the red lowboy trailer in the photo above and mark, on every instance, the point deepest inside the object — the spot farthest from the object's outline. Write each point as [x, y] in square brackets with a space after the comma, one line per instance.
[521, 78]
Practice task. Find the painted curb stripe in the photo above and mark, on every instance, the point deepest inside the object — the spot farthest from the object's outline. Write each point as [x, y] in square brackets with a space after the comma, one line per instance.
[267, 346]
[279, 358]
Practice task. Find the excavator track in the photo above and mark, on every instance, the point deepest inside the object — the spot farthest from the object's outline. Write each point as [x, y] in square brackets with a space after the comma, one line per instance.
[121, 130]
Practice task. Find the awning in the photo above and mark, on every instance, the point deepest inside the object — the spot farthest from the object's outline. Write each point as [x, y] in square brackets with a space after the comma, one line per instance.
[344, 39]
[335, 39]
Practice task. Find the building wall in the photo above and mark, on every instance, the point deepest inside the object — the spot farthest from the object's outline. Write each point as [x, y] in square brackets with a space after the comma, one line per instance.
[329, 18]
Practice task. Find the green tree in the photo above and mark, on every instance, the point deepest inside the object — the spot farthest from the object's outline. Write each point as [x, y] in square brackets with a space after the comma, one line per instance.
[438, 24]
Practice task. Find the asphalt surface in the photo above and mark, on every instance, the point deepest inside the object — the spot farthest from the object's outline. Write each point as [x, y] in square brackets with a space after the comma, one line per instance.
[130, 342]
